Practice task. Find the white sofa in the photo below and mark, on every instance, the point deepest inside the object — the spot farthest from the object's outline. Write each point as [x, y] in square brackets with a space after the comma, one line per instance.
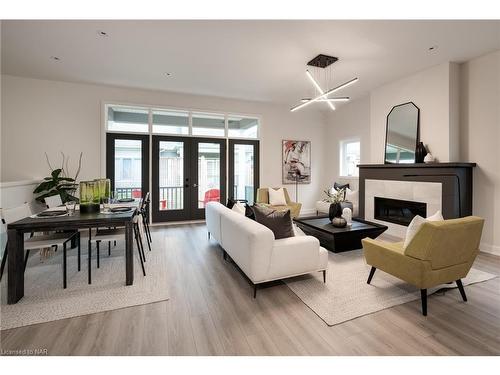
[253, 248]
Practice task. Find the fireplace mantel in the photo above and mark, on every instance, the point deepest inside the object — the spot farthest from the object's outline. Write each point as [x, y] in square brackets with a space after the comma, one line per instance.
[456, 180]
[421, 165]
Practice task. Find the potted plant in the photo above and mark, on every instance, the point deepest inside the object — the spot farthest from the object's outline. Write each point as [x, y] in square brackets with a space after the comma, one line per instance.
[59, 182]
[335, 198]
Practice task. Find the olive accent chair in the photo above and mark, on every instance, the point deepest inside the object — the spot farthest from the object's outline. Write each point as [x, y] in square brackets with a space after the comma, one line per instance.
[441, 252]
[263, 199]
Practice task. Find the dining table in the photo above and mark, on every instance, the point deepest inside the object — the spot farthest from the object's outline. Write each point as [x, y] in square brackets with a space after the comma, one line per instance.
[17, 230]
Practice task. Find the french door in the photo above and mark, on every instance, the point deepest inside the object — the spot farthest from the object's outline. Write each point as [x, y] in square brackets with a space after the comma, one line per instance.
[187, 174]
[243, 169]
[127, 164]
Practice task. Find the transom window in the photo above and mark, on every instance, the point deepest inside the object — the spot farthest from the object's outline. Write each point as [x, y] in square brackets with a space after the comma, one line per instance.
[140, 119]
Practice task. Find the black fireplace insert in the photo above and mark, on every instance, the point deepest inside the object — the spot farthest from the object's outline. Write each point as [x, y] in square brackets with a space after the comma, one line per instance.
[398, 211]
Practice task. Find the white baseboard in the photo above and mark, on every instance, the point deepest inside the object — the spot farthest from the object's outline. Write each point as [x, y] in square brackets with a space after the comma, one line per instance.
[490, 249]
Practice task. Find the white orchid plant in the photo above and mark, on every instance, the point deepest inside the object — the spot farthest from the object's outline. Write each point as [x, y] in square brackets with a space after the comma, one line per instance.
[334, 195]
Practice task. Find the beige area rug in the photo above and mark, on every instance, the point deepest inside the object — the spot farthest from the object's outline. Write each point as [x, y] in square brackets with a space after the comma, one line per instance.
[346, 295]
[45, 299]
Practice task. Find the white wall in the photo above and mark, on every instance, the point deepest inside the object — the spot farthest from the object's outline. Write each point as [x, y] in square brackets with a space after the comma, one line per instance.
[430, 91]
[351, 121]
[40, 115]
[480, 140]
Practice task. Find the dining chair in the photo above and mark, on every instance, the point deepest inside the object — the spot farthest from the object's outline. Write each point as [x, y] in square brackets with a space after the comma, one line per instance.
[144, 211]
[37, 242]
[114, 234]
[53, 201]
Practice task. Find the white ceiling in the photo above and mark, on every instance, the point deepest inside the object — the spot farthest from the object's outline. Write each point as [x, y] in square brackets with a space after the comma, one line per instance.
[255, 60]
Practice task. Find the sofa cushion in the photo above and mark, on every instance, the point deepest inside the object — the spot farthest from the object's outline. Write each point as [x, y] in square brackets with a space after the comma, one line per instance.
[280, 222]
[416, 223]
[277, 197]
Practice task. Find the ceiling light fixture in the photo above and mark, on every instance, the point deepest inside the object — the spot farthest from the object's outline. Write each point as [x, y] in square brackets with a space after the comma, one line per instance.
[104, 34]
[317, 98]
[340, 99]
[318, 87]
[55, 58]
[320, 63]
[167, 74]
[433, 48]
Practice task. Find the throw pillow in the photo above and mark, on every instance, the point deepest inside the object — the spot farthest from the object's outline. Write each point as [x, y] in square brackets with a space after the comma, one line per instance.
[416, 223]
[338, 186]
[280, 222]
[239, 208]
[277, 197]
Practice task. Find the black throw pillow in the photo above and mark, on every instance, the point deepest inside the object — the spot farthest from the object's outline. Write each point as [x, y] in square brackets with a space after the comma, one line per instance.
[338, 186]
[280, 222]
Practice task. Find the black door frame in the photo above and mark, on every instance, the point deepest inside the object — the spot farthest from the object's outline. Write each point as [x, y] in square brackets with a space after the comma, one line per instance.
[256, 165]
[199, 213]
[110, 158]
[190, 209]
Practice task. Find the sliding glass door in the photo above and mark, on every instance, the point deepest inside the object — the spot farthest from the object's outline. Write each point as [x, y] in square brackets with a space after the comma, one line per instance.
[127, 164]
[187, 174]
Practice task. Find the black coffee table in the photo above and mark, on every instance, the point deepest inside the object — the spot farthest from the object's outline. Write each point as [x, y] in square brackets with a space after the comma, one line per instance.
[339, 239]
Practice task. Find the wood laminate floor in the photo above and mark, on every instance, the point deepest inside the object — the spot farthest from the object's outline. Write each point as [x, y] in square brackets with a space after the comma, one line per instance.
[211, 312]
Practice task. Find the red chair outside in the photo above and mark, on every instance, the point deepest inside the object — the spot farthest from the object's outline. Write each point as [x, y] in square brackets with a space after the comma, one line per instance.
[212, 195]
[136, 193]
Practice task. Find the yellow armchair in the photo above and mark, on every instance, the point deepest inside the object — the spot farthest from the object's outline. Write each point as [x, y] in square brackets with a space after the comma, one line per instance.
[263, 198]
[441, 252]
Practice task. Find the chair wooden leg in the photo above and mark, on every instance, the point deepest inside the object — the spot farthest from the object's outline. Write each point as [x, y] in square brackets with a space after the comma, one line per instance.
[26, 259]
[148, 232]
[79, 252]
[140, 253]
[461, 289]
[254, 290]
[138, 242]
[423, 295]
[109, 248]
[370, 277]
[64, 266]
[90, 257]
[97, 253]
[4, 259]
[324, 276]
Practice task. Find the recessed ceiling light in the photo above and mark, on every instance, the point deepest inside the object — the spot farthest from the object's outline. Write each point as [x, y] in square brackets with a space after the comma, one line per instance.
[104, 34]
[55, 58]
[433, 48]
[167, 74]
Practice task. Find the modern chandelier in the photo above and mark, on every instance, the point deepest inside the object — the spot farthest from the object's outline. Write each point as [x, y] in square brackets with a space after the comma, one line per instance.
[320, 70]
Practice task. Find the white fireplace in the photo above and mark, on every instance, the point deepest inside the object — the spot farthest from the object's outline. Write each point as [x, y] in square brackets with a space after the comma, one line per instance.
[429, 193]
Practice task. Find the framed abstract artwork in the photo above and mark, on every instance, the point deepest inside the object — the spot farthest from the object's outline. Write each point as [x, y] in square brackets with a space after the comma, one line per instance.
[296, 166]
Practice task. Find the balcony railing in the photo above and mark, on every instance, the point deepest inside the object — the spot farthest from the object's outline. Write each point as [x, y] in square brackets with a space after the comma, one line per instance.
[171, 197]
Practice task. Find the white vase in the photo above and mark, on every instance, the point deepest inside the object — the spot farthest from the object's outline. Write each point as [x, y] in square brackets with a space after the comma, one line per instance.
[429, 158]
[347, 215]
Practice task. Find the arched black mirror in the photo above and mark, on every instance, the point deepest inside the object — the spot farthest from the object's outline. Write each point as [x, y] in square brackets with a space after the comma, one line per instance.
[402, 134]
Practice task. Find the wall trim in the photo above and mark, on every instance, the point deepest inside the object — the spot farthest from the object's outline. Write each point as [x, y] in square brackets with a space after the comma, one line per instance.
[19, 183]
[490, 249]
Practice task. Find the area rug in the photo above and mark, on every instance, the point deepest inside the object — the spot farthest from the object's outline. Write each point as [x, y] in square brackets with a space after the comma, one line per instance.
[346, 295]
[45, 299]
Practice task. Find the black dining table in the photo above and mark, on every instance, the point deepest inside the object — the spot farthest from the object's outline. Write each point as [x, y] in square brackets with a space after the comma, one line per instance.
[16, 231]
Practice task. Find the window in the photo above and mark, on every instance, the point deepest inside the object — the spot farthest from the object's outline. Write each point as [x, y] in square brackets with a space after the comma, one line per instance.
[170, 122]
[242, 127]
[208, 124]
[349, 158]
[164, 121]
[127, 119]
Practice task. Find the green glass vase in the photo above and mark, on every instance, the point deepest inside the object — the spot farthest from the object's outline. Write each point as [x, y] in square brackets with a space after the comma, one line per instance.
[89, 197]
